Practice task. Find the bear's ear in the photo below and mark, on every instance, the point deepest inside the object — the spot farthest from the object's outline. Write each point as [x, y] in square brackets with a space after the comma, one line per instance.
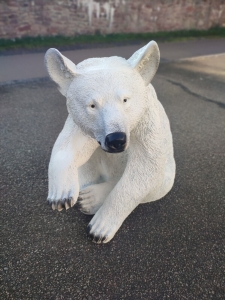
[146, 61]
[60, 69]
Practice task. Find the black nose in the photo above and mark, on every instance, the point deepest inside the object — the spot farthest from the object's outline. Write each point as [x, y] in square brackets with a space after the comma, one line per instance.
[116, 142]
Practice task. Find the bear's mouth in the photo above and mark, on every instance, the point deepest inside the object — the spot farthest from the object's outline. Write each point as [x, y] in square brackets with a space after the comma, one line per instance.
[115, 151]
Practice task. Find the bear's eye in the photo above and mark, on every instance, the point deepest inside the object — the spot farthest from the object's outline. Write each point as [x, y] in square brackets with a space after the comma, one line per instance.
[92, 106]
[125, 100]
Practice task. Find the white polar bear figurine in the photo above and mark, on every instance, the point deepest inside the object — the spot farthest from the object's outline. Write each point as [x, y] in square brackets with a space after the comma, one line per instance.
[115, 150]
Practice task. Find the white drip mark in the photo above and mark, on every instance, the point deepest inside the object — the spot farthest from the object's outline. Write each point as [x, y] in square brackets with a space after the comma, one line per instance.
[99, 9]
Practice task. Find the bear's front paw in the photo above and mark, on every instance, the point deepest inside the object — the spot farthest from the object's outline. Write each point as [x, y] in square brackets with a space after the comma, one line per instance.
[59, 199]
[103, 227]
[59, 204]
[63, 190]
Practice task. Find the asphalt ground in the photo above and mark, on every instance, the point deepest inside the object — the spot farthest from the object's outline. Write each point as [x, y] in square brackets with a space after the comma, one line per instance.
[173, 248]
[29, 66]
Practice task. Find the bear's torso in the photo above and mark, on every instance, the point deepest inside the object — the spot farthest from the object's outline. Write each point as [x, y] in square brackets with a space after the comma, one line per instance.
[153, 133]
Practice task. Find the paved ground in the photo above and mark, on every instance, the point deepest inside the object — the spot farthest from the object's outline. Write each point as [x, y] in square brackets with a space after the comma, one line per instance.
[19, 67]
[170, 249]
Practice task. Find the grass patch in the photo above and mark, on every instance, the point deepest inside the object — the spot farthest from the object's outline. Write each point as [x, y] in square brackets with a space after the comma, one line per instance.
[32, 43]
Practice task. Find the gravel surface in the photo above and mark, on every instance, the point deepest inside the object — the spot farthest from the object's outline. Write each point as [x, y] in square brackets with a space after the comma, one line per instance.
[169, 249]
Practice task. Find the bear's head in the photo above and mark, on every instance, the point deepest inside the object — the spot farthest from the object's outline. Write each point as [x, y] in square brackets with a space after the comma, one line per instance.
[106, 97]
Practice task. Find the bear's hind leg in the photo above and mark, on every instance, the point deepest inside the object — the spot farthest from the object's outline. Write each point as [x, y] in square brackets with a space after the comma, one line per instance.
[98, 178]
[89, 173]
[92, 197]
[166, 185]
[95, 183]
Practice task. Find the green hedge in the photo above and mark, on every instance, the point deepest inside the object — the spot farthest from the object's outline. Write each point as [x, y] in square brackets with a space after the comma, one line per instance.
[82, 40]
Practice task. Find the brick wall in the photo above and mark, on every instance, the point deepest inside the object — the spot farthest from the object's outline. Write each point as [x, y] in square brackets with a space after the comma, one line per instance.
[20, 18]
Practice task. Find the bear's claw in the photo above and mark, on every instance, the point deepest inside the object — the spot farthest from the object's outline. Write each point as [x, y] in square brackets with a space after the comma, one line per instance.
[84, 209]
[90, 235]
[95, 238]
[61, 203]
[91, 198]
[89, 229]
